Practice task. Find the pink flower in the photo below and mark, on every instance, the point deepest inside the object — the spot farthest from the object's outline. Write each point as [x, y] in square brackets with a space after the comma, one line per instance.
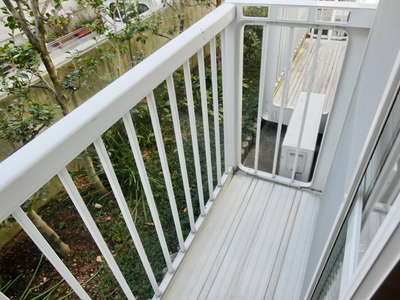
[64, 13]
[80, 282]
[247, 104]
[108, 218]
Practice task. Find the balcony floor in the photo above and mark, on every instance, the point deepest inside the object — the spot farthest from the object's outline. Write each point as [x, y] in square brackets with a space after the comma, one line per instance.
[253, 244]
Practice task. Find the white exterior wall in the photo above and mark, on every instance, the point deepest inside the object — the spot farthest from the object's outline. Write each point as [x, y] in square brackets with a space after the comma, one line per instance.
[381, 52]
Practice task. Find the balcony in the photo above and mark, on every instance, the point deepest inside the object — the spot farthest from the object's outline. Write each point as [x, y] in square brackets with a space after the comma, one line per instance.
[311, 212]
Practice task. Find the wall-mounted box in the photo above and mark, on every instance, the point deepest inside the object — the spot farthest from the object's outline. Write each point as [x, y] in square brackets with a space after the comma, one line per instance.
[308, 140]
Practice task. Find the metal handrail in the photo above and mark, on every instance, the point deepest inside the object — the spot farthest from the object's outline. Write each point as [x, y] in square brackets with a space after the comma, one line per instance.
[37, 162]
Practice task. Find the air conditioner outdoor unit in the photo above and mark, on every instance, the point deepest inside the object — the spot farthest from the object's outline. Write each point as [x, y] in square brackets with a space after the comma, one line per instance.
[308, 140]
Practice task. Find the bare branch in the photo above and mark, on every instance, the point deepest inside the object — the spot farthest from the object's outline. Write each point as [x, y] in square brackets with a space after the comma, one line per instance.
[24, 2]
[43, 87]
[21, 20]
[171, 6]
[45, 6]
[37, 16]
[47, 85]
[164, 36]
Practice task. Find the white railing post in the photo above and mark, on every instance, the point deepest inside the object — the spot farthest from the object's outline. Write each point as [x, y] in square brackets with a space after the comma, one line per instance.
[206, 127]
[88, 220]
[213, 55]
[31, 230]
[232, 74]
[272, 71]
[193, 132]
[181, 151]
[261, 94]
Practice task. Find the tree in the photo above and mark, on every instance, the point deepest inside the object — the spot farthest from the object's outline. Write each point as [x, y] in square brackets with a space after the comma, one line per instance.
[25, 118]
[33, 20]
[136, 26]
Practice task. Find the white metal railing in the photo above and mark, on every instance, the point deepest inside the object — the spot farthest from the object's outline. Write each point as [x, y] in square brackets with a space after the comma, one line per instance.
[26, 171]
[292, 19]
[30, 168]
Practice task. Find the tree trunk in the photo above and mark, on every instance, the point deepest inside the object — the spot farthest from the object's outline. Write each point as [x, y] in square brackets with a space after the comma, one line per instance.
[37, 37]
[49, 234]
[59, 92]
[182, 16]
[91, 172]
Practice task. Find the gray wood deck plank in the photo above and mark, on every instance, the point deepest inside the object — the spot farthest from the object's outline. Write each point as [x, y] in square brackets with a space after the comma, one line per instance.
[253, 243]
[327, 72]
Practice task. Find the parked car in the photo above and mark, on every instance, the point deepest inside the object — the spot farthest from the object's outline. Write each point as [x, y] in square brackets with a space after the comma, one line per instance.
[120, 8]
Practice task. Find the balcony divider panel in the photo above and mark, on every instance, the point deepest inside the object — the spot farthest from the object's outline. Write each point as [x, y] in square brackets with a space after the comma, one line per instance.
[165, 169]
[92, 227]
[181, 152]
[48, 251]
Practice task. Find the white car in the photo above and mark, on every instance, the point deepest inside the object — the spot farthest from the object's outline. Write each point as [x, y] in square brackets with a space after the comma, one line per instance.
[117, 7]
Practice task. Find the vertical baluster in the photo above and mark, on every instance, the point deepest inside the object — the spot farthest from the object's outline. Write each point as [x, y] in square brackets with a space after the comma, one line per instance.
[130, 130]
[225, 90]
[3, 297]
[181, 153]
[321, 70]
[204, 106]
[193, 130]
[310, 83]
[51, 255]
[164, 164]
[261, 94]
[308, 57]
[287, 72]
[93, 229]
[119, 196]
[214, 79]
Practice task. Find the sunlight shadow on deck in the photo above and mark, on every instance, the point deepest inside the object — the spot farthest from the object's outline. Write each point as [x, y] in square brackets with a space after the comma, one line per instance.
[254, 244]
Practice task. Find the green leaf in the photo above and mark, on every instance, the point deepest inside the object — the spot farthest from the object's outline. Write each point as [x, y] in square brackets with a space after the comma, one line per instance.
[23, 75]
